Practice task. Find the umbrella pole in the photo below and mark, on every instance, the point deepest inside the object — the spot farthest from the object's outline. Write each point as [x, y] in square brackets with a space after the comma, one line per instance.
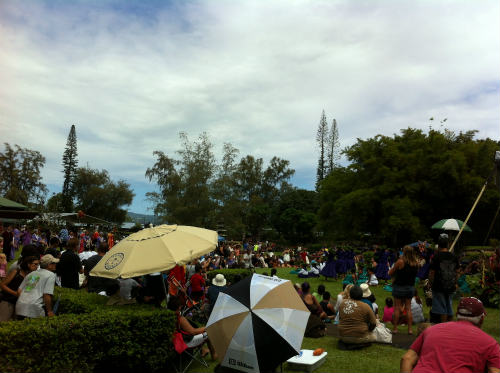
[491, 226]
[468, 216]
[164, 289]
[492, 174]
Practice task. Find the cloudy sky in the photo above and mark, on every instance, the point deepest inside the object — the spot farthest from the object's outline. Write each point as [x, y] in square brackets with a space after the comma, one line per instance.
[132, 74]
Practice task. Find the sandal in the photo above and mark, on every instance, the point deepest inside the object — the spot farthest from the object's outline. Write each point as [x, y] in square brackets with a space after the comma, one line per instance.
[394, 331]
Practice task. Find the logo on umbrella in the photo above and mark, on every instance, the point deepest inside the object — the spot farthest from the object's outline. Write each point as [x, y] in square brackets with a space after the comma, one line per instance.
[114, 261]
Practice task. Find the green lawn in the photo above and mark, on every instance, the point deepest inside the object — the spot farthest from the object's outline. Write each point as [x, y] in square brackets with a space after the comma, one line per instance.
[376, 358]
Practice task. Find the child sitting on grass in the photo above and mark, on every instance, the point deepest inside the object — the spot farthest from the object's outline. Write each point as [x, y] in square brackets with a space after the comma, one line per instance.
[327, 306]
[388, 310]
[320, 292]
[373, 279]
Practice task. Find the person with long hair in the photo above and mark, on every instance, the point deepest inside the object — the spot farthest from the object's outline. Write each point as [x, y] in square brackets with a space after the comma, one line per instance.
[311, 302]
[193, 336]
[404, 272]
[11, 283]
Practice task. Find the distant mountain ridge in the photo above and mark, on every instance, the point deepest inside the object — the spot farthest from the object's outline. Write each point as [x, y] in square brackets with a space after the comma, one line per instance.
[143, 218]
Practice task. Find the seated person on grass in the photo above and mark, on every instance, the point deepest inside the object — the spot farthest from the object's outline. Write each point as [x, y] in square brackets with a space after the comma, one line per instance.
[357, 319]
[373, 279]
[350, 278]
[327, 306]
[319, 294]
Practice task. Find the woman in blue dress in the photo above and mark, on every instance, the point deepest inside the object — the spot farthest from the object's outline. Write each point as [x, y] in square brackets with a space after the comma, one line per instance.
[382, 268]
[423, 271]
[329, 270]
[350, 260]
[341, 262]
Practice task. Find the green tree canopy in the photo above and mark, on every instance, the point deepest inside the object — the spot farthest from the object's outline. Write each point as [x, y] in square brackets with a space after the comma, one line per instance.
[70, 165]
[397, 187]
[196, 190]
[97, 195]
[20, 179]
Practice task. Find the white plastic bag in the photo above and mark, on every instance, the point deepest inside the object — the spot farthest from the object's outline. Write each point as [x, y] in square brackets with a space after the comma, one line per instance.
[382, 333]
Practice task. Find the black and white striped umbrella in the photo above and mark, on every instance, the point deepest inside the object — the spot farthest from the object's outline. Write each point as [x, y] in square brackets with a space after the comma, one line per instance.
[257, 323]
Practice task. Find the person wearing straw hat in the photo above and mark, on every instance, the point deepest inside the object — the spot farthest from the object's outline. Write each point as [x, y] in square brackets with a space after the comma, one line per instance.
[218, 284]
[457, 346]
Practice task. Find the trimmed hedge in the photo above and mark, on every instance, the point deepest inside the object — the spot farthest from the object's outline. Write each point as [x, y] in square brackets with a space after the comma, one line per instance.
[231, 274]
[106, 338]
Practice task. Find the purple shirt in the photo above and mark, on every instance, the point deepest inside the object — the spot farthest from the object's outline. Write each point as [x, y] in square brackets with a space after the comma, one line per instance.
[26, 238]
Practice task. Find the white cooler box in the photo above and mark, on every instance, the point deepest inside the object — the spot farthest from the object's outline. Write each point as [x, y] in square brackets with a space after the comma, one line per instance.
[306, 362]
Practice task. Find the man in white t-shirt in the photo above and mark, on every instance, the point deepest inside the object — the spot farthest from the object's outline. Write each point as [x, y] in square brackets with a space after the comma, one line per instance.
[247, 259]
[36, 290]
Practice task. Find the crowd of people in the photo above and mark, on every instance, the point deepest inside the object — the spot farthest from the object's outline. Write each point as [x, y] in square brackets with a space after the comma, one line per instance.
[66, 257]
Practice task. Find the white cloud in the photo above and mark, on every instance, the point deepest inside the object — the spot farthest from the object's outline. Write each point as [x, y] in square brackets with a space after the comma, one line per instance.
[256, 74]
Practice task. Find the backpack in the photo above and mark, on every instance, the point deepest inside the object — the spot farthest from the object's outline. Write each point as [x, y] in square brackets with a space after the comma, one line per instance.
[448, 275]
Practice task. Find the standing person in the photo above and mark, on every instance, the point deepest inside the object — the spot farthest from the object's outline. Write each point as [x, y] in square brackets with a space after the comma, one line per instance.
[17, 237]
[36, 290]
[26, 236]
[443, 276]
[8, 240]
[53, 248]
[64, 236]
[197, 283]
[404, 272]
[458, 346]
[329, 270]
[96, 284]
[382, 268]
[70, 266]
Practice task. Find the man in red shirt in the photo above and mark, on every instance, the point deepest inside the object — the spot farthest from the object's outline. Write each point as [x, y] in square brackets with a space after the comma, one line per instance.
[456, 346]
[197, 283]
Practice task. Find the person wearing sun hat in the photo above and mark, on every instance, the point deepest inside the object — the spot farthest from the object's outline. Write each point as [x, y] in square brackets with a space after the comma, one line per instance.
[218, 284]
[456, 346]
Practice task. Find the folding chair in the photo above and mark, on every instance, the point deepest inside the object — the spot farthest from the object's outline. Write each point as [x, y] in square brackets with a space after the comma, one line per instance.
[183, 361]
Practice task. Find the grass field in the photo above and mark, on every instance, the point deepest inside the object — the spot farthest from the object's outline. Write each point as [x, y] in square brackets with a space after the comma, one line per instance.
[376, 358]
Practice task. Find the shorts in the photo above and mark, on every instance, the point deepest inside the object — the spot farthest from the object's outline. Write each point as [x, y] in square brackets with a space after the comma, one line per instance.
[403, 291]
[441, 303]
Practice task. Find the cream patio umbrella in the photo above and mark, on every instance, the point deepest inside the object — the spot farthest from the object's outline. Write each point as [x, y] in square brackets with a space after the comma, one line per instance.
[155, 249]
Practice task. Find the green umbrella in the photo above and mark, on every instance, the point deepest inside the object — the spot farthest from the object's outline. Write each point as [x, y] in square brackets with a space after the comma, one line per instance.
[450, 225]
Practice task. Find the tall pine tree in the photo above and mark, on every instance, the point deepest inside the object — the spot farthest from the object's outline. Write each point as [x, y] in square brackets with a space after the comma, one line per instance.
[322, 140]
[70, 165]
[333, 155]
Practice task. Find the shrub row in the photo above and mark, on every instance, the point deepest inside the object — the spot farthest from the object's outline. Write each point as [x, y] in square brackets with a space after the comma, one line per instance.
[232, 275]
[88, 336]
[107, 338]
